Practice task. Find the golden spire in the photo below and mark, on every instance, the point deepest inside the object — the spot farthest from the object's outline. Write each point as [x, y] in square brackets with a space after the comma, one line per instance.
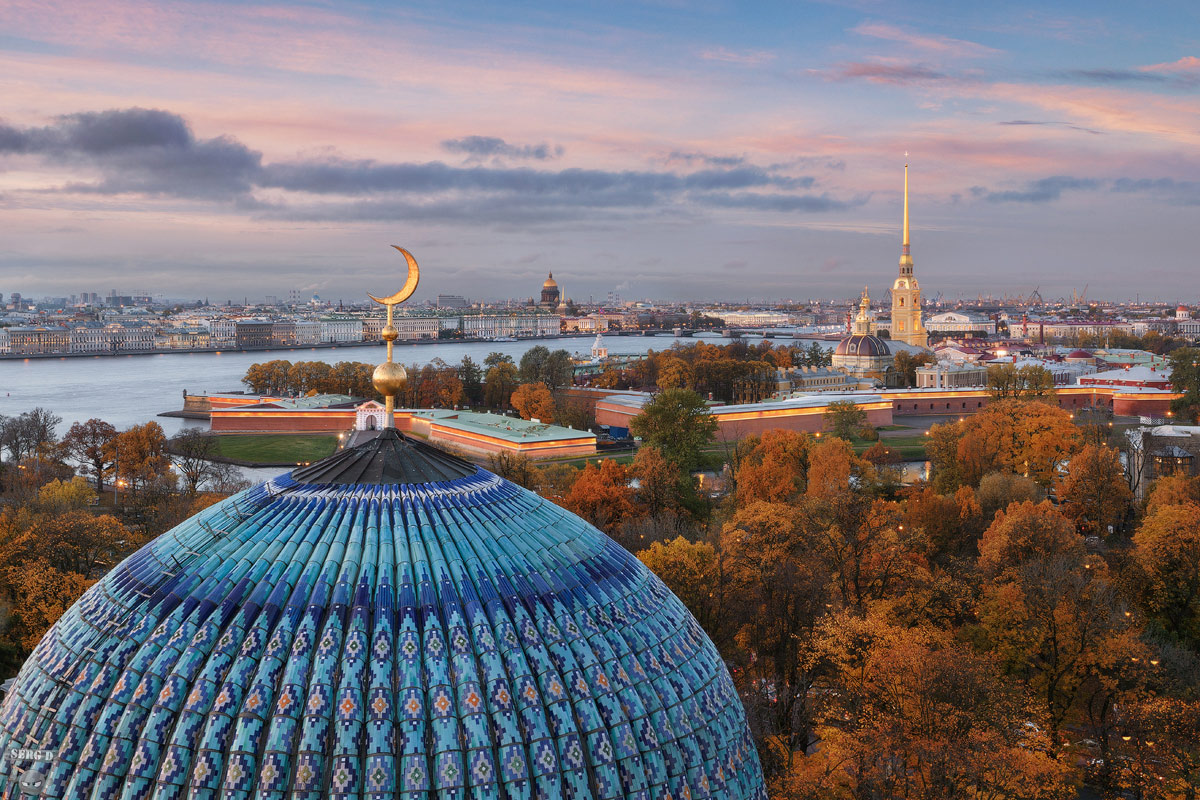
[390, 377]
[906, 262]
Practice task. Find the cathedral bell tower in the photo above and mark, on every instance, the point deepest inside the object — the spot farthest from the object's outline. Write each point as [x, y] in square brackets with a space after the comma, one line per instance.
[906, 293]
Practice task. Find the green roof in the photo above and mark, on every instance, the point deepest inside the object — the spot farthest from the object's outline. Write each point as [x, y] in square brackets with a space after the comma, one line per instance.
[512, 429]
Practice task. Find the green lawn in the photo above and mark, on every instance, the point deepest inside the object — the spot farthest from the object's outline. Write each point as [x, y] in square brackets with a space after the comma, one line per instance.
[911, 448]
[276, 448]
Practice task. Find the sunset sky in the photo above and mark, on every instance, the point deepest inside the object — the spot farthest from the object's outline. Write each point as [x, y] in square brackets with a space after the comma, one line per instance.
[672, 149]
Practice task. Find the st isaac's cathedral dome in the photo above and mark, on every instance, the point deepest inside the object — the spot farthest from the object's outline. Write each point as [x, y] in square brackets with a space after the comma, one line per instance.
[391, 622]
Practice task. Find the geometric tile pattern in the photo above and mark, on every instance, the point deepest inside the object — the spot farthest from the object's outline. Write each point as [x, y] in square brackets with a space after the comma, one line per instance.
[452, 640]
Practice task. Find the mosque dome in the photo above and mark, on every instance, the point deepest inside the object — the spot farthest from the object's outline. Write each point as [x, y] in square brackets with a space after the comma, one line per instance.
[389, 622]
[862, 344]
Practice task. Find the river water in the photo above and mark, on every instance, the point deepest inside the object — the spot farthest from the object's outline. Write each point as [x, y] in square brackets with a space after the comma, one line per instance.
[130, 390]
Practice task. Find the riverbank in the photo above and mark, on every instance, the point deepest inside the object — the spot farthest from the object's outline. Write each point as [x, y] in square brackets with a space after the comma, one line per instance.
[283, 348]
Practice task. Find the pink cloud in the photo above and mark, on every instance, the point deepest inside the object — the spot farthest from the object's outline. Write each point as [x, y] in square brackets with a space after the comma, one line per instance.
[930, 43]
[745, 58]
[1185, 64]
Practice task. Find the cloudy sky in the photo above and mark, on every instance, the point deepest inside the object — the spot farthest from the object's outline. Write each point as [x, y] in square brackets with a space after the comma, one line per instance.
[669, 149]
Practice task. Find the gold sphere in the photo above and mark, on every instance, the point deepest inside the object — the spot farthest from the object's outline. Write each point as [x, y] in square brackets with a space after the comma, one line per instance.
[389, 333]
[389, 378]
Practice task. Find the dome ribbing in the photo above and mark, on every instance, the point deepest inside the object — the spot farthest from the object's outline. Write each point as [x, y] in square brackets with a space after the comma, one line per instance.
[360, 633]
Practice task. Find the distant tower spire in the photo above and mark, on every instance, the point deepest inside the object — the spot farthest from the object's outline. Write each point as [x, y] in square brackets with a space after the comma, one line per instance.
[906, 293]
[906, 262]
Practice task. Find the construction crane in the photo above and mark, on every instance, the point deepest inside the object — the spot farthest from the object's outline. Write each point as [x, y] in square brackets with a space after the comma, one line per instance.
[1078, 298]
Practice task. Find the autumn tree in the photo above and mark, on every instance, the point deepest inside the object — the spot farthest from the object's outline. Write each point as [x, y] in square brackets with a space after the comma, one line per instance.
[308, 377]
[1167, 551]
[678, 423]
[1051, 613]
[998, 490]
[499, 385]
[193, 452]
[675, 373]
[844, 418]
[1185, 378]
[470, 375]
[1173, 490]
[533, 401]
[1009, 382]
[40, 594]
[1094, 491]
[269, 377]
[906, 365]
[1026, 438]
[950, 524]
[778, 586]
[139, 455]
[601, 495]
[88, 443]
[691, 571]
[28, 434]
[515, 467]
[910, 712]
[772, 467]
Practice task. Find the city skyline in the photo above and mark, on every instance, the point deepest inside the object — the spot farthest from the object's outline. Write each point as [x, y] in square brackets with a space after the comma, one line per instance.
[260, 148]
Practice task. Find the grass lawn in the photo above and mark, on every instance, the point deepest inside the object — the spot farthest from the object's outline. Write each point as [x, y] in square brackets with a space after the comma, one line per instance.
[276, 448]
[911, 448]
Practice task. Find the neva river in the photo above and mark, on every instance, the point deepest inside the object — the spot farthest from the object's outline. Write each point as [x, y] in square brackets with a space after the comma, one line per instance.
[130, 390]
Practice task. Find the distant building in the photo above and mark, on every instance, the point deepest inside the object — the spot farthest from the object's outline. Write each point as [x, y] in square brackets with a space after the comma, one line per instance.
[253, 333]
[283, 333]
[341, 330]
[414, 328]
[1162, 450]
[550, 293]
[1143, 377]
[39, 340]
[951, 375]
[308, 331]
[863, 354]
[589, 324]
[489, 326]
[819, 379]
[599, 350]
[961, 322]
[452, 301]
[223, 332]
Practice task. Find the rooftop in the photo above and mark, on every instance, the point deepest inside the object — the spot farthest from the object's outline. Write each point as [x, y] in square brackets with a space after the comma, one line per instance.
[510, 429]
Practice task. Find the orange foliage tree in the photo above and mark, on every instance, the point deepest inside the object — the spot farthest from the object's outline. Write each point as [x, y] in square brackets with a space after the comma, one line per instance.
[772, 467]
[1094, 491]
[601, 495]
[1025, 438]
[534, 401]
[1167, 551]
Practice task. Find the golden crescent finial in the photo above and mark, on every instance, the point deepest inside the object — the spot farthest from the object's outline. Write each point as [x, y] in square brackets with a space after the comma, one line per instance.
[410, 286]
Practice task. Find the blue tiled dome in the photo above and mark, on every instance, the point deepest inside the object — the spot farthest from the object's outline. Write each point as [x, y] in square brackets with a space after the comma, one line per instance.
[356, 630]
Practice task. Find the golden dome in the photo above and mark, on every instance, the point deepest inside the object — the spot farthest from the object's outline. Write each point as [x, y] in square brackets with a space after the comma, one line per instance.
[550, 282]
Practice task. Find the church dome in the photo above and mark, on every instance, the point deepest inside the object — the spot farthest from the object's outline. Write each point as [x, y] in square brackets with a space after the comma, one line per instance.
[862, 345]
[550, 282]
[389, 622]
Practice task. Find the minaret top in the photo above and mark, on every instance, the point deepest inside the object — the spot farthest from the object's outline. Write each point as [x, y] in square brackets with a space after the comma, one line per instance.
[390, 377]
